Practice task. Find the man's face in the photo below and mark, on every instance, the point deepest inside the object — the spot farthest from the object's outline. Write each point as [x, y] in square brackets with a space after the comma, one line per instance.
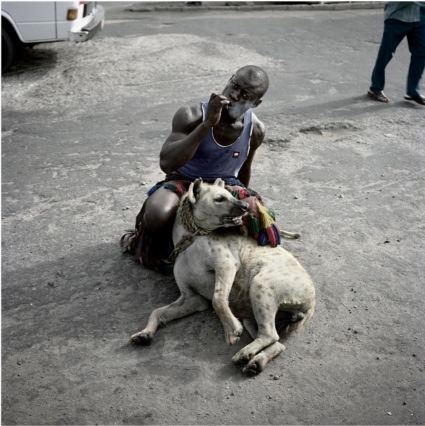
[242, 93]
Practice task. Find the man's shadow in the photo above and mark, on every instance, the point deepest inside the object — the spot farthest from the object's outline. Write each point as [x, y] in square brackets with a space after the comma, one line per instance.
[351, 107]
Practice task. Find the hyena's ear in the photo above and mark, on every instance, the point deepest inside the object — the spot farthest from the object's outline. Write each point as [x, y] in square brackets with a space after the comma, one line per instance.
[194, 190]
[219, 182]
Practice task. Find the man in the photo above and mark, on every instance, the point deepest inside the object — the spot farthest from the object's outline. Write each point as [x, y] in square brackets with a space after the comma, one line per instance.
[214, 139]
[402, 19]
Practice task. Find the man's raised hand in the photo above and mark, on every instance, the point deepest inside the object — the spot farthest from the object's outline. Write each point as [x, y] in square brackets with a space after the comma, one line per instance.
[215, 106]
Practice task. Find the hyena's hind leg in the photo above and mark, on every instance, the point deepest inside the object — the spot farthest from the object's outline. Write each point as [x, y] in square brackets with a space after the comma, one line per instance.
[264, 307]
[257, 364]
[287, 323]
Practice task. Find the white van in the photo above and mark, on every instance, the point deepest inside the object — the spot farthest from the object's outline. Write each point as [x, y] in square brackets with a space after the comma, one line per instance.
[33, 22]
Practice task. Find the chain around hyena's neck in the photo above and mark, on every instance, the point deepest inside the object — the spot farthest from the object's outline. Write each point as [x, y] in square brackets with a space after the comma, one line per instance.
[187, 218]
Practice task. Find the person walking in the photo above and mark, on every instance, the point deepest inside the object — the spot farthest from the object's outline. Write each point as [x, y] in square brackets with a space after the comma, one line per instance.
[401, 19]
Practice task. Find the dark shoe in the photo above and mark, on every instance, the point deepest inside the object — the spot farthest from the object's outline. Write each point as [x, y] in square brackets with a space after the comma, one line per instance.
[419, 99]
[378, 96]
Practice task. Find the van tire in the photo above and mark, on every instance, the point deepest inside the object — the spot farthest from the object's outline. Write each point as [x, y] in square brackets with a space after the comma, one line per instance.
[9, 49]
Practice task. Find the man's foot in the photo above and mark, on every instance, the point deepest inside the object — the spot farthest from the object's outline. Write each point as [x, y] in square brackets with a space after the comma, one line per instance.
[378, 96]
[419, 99]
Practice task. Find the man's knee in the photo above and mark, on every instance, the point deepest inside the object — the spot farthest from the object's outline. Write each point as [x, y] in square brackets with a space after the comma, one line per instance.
[156, 219]
[160, 210]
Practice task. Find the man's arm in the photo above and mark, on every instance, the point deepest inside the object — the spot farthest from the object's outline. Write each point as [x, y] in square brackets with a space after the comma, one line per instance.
[187, 132]
[257, 138]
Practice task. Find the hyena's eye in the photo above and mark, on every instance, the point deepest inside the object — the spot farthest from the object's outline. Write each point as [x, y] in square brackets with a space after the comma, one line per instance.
[220, 199]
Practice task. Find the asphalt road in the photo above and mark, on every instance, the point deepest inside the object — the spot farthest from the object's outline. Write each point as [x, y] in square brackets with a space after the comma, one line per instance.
[82, 126]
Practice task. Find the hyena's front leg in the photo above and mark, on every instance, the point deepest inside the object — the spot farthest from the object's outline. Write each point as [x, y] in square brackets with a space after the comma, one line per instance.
[224, 277]
[188, 303]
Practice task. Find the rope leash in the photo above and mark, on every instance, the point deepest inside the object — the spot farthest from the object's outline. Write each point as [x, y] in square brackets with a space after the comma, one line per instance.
[186, 216]
[182, 245]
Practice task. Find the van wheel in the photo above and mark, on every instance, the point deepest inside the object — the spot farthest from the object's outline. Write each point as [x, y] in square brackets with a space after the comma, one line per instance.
[9, 49]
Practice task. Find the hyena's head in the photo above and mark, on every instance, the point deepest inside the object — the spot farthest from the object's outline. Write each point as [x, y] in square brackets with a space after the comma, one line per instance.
[214, 206]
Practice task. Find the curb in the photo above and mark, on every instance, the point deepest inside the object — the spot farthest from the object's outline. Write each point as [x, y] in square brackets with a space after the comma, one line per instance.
[251, 6]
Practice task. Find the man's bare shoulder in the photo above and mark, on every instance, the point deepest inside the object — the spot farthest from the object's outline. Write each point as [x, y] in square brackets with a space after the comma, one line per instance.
[188, 115]
[258, 132]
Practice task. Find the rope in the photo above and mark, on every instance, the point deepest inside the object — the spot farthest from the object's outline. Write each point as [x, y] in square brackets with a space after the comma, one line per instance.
[182, 245]
[185, 211]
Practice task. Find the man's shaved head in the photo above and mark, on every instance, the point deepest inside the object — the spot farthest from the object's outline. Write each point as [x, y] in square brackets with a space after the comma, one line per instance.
[257, 76]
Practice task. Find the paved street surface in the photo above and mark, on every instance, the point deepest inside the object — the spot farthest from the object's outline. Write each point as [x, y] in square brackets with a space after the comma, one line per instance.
[82, 126]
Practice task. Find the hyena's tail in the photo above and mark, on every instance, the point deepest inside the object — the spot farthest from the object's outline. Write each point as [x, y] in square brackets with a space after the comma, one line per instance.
[287, 324]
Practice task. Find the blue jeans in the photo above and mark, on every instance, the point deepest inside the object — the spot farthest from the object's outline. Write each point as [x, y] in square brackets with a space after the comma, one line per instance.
[394, 32]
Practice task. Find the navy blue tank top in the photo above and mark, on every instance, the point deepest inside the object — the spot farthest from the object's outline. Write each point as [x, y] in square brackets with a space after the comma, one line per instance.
[212, 160]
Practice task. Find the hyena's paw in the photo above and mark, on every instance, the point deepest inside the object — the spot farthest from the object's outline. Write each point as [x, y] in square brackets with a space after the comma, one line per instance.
[142, 338]
[242, 357]
[253, 367]
[233, 333]
[256, 365]
[258, 362]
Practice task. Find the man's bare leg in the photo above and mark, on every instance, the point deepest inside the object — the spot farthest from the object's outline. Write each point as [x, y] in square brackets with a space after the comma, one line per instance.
[160, 210]
[158, 214]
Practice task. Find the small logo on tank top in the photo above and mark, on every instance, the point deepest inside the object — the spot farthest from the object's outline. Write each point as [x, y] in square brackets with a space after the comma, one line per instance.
[236, 154]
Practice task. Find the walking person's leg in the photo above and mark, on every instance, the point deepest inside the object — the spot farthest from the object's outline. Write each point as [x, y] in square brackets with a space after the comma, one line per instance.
[394, 32]
[416, 40]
